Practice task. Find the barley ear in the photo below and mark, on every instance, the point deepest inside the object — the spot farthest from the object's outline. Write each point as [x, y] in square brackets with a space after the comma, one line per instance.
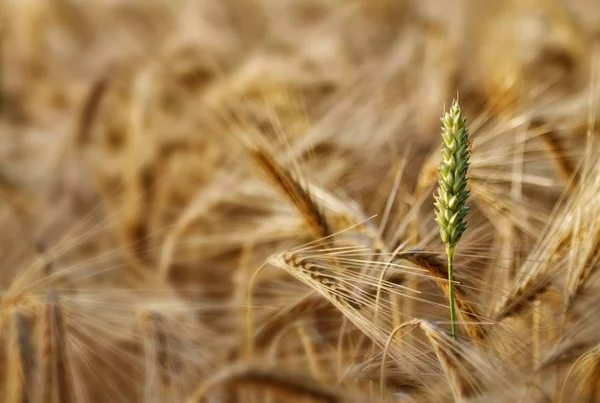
[450, 208]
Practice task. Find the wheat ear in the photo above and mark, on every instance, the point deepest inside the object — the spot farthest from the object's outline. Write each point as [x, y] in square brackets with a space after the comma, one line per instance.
[587, 371]
[450, 208]
[292, 186]
[55, 381]
[331, 285]
[20, 360]
[160, 362]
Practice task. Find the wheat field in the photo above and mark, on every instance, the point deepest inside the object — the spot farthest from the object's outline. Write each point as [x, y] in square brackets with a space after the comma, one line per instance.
[232, 201]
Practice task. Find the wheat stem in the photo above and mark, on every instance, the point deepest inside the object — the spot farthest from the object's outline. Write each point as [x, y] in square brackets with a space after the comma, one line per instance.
[450, 253]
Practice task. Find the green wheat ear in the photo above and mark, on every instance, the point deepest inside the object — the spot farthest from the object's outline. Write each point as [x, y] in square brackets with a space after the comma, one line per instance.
[450, 208]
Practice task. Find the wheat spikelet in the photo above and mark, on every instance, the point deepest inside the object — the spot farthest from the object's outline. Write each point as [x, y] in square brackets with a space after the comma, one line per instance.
[584, 237]
[292, 187]
[161, 364]
[55, 377]
[320, 274]
[578, 278]
[20, 361]
[525, 291]
[587, 371]
[311, 268]
[564, 352]
[325, 272]
[344, 213]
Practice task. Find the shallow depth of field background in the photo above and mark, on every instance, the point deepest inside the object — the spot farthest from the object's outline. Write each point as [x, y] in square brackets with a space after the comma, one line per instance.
[136, 207]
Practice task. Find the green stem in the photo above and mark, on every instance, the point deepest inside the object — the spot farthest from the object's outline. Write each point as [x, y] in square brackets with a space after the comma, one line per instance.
[450, 253]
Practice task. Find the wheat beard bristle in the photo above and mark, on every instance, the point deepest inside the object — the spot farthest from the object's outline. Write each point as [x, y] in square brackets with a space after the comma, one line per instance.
[588, 368]
[564, 352]
[309, 305]
[319, 274]
[526, 292]
[470, 317]
[448, 358]
[550, 138]
[578, 279]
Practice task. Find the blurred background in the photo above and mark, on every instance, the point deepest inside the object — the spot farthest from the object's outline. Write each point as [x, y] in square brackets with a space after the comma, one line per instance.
[121, 166]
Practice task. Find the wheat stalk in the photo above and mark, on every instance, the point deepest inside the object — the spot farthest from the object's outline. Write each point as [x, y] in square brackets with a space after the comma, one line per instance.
[435, 266]
[452, 192]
